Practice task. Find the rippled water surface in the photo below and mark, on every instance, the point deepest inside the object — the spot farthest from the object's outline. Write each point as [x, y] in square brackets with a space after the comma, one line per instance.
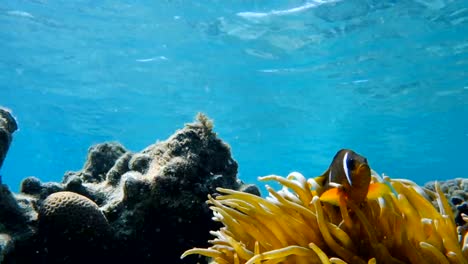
[288, 83]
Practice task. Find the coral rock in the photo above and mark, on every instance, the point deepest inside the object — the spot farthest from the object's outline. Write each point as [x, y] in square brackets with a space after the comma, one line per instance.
[152, 203]
[139, 162]
[119, 168]
[33, 186]
[7, 127]
[101, 158]
[12, 218]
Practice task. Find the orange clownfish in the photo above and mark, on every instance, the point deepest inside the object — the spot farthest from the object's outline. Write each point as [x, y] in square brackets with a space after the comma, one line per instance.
[349, 175]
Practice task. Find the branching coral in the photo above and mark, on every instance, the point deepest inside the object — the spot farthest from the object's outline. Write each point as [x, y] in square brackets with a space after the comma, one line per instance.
[293, 226]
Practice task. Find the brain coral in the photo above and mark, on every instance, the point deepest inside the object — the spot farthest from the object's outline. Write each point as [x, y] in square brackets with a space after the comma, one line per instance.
[66, 207]
[73, 226]
[294, 226]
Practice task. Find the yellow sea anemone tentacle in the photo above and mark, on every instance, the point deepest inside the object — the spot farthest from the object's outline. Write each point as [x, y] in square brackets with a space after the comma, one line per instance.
[379, 249]
[240, 228]
[292, 218]
[259, 203]
[256, 201]
[257, 248]
[241, 251]
[445, 227]
[281, 253]
[301, 209]
[270, 228]
[465, 246]
[367, 226]
[265, 221]
[444, 205]
[455, 258]
[337, 261]
[220, 261]
[431, 235]
[322, 256]
[290, 229]
[339, 250]
[211, 253]
[401, 226]
[231, 224]
[399, 222]
[334, 216]
[411, 184]
[238, 194]
[273, 261]
[412, 233]
[411, 251]
[341, 236]
[300, 180]
[464, 217]
[218, 242]
[304, 214]
[344, 213]
[220, 214]
[391, 220]
[374, 210]
[412, 219]
[303, 194]
[425, 207]
[337, 232]
[252, 230]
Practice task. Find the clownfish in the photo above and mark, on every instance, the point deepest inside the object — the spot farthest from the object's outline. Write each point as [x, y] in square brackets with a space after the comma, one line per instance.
[349, 175]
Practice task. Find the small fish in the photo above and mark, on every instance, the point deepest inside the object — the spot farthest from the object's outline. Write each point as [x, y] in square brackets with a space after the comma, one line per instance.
[349, 175]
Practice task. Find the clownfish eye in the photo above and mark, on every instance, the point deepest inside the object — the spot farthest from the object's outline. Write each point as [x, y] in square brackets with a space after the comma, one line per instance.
[350, 163]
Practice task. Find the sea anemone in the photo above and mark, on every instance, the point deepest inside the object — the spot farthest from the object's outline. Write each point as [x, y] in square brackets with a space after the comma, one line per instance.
[294, 226]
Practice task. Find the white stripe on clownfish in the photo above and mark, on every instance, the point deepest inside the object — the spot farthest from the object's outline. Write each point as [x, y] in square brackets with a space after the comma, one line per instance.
[346, 169]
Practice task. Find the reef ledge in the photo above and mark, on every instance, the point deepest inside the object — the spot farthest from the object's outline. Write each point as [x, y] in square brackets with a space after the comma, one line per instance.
[123, 206]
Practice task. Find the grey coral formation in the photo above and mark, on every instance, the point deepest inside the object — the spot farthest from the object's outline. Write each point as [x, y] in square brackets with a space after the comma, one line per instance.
[8, 125]
[12, 218]
[144, 207]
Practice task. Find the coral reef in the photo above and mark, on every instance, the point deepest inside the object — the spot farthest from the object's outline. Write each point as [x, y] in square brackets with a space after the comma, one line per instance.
[7, 127]
[145, 207]
[14, 219]
[149, 207]
[293, 226]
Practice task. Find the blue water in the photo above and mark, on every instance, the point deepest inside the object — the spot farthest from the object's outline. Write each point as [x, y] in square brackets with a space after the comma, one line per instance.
[288, 83]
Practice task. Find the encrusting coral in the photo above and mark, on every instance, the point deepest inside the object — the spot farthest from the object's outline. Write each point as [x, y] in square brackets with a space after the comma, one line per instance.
[293, 226]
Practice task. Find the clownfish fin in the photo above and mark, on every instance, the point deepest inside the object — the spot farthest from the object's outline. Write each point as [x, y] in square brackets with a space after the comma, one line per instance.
[320, 180]
[331, 196]
[377, 189]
